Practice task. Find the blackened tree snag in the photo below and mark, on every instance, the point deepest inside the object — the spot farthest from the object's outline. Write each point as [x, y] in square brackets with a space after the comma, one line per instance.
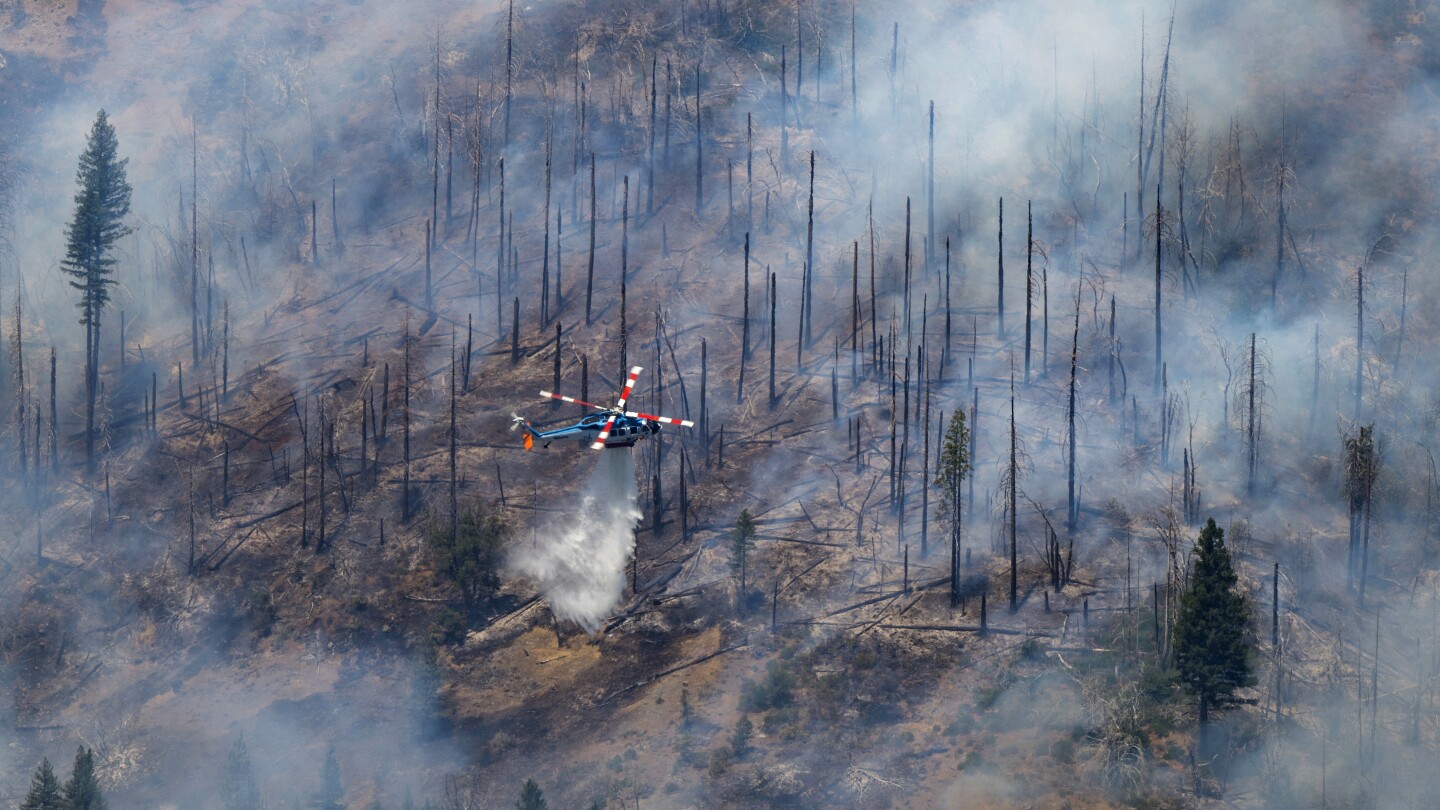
[669, 117]
[699, 147]
[744, 324]
[773, 296]
[930, 195]
[807, 306]
[405, 424]
[1012, 484]
[500, 258]
[905, 291]
[784, 124]
[1029, 283]
[514, 332]
[590, 269]
[545, 245]
[624, 273]
[1359, 339]
[1159, 245]
[1072, 514]
[454, 440]
[509, 69]
[650, 165]
[54, 420]
[1000, 265]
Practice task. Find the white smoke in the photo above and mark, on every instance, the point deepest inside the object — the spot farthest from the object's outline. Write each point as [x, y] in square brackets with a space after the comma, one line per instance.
[579, 559]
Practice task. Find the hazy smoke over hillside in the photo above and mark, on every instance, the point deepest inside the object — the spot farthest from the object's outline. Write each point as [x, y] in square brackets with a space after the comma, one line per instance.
[578, 558]
[322, 149]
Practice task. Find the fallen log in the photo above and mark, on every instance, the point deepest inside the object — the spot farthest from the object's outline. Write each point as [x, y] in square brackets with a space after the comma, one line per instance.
[671, 671]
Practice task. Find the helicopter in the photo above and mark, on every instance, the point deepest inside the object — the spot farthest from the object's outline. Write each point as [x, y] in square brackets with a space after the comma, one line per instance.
[610, 428]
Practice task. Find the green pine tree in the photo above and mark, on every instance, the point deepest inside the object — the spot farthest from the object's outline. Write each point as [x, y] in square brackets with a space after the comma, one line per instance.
[44, 790]
[740, 739]
[471, 557]
[1212, 654]
[101, 205]
[742, 540]
[531, 798]
[82, 791]
[951, 469]
[238, 790]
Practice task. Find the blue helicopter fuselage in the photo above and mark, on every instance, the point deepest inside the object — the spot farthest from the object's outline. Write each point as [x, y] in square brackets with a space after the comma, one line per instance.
[623, 433]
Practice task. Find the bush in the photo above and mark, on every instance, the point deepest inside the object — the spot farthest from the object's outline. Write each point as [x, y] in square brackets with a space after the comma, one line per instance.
[720, 761]
[450, 627]
[471, 560]
[260, 612]
[990, 693]
[1063, 751]
[740, 740]
[775, 691]
[782, 721]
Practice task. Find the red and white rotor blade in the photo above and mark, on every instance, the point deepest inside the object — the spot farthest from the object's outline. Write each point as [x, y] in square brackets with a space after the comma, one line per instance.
[562, 398]
[664, 419]
[629, 386]
[599, 443]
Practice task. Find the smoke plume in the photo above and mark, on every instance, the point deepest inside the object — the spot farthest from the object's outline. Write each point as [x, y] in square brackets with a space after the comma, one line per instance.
[579, 558]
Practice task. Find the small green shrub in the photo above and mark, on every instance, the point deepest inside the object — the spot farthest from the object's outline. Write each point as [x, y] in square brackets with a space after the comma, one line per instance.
[1063, 751]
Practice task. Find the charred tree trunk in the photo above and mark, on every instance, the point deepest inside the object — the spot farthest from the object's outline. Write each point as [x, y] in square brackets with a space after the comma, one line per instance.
[906, 289]
[1251, 428]
[1072, 517]
[514, 332]
[773, 296]
[744, 324]
[1029, 283]
[54, 420]
[1014, 492]
[1114, 348]
[807, 307]
[509, 68]
[545, 245]
[855, 314]
[784, 115]
[1359, 339]
[624, 274]
[1000, 265]
[590, 270]
[650, 165]
[699, 148]
[500, 258]
[455, 444]
[930, 195]
[405, 424]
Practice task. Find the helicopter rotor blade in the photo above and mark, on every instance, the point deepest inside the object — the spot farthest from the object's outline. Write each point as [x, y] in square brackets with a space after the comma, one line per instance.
[562, 398]
[629, 386]
[665, 419]
[599, 443]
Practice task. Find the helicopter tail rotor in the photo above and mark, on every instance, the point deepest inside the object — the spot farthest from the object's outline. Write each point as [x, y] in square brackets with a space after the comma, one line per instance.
[517, 421]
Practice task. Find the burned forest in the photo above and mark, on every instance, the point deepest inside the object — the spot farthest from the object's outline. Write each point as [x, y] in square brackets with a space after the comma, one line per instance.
[1019, 404]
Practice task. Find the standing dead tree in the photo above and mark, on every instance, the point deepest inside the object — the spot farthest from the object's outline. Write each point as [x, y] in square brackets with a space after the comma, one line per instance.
[1362, 468]
[1029, 282]
[1250, 405]
[1072, 512]
[1012, 485]
[744, 324]
[1000, 266]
